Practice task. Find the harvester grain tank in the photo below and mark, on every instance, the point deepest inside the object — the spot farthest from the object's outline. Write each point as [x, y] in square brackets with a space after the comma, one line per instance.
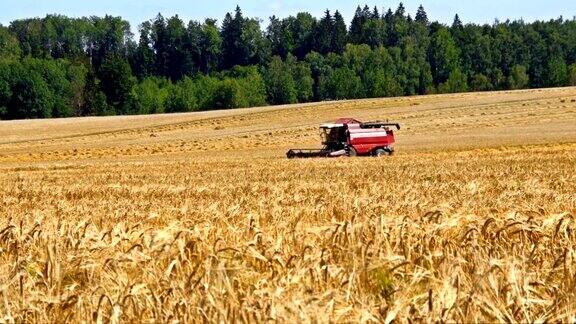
[350, 137]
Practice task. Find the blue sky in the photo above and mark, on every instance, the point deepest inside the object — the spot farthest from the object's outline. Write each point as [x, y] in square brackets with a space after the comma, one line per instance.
[137, 11]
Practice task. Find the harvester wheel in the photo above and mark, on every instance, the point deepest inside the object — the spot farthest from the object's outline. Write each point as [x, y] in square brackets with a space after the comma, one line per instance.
[352, 152]
[381, 152]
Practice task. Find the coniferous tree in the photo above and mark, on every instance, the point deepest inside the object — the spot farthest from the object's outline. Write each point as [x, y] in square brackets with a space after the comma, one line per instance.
[177, 55]
[400, 11]
[374, 33]
[192, 47]
[232, 49]
[400, 23]
[457, 23]
[324, 34]
[339, 34]
[275, 35]
[143, 59]
[421, 16]
[375, 13]
[357, 26]
[390, 30]
[160, 45]
[457, 31]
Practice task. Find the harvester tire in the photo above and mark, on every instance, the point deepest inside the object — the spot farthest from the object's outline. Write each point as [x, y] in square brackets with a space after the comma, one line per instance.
[381, 152]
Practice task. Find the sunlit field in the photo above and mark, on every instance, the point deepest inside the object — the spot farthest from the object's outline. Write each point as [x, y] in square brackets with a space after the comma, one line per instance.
[200, 217]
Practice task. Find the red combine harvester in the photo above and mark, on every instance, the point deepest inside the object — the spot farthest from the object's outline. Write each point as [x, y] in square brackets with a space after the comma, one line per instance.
[350, 137]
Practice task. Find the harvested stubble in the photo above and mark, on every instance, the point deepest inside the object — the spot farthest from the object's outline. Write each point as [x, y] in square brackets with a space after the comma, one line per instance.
[475, 234]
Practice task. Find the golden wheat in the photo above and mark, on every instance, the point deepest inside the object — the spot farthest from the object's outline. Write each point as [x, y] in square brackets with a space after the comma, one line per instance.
[200, 218]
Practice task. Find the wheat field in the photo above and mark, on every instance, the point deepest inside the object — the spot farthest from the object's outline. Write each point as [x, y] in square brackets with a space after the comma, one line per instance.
[201, 218]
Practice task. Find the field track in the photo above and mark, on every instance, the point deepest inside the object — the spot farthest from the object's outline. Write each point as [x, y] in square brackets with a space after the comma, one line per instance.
[199, 216]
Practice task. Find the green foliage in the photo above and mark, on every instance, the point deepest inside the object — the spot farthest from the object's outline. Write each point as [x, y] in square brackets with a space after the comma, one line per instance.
[255, 46]
[237, 88]
[243, 43]
[382, 84]
[344, 84]
[339, 34]
[557, 72]
[206, 87]
[117, 82]
[302, 74]
[324, 34]
[248, 91]
[152, 94]
[210, 47]
[77, 76]
[182, 97]
[302, 29]
[9, 45]
[456, 82]
[227, 95]
[572, 74]
[480, 82]
[444, 55]
[58, 66]
[98, 104]
[5, 96]
[357, 25]
[319, 69]
[143, 57]
[252, 87]
[31, 96]
[518, 78]
[34, 88]
[425, 84]
[367, 28]
[280, 83]
[280, 37]
[421, 16]
[177, 55]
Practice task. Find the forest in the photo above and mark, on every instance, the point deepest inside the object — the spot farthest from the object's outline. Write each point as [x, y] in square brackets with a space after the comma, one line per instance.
[59, 66]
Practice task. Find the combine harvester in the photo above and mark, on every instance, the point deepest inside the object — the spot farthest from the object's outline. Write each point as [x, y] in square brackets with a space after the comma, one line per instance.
[350, 137]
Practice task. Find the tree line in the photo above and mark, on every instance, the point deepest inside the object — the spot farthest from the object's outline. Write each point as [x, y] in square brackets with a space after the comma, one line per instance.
[59, 66]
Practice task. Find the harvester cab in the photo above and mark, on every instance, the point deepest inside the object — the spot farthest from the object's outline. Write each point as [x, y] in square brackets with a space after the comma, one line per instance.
[350, 137]
[334, 136]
